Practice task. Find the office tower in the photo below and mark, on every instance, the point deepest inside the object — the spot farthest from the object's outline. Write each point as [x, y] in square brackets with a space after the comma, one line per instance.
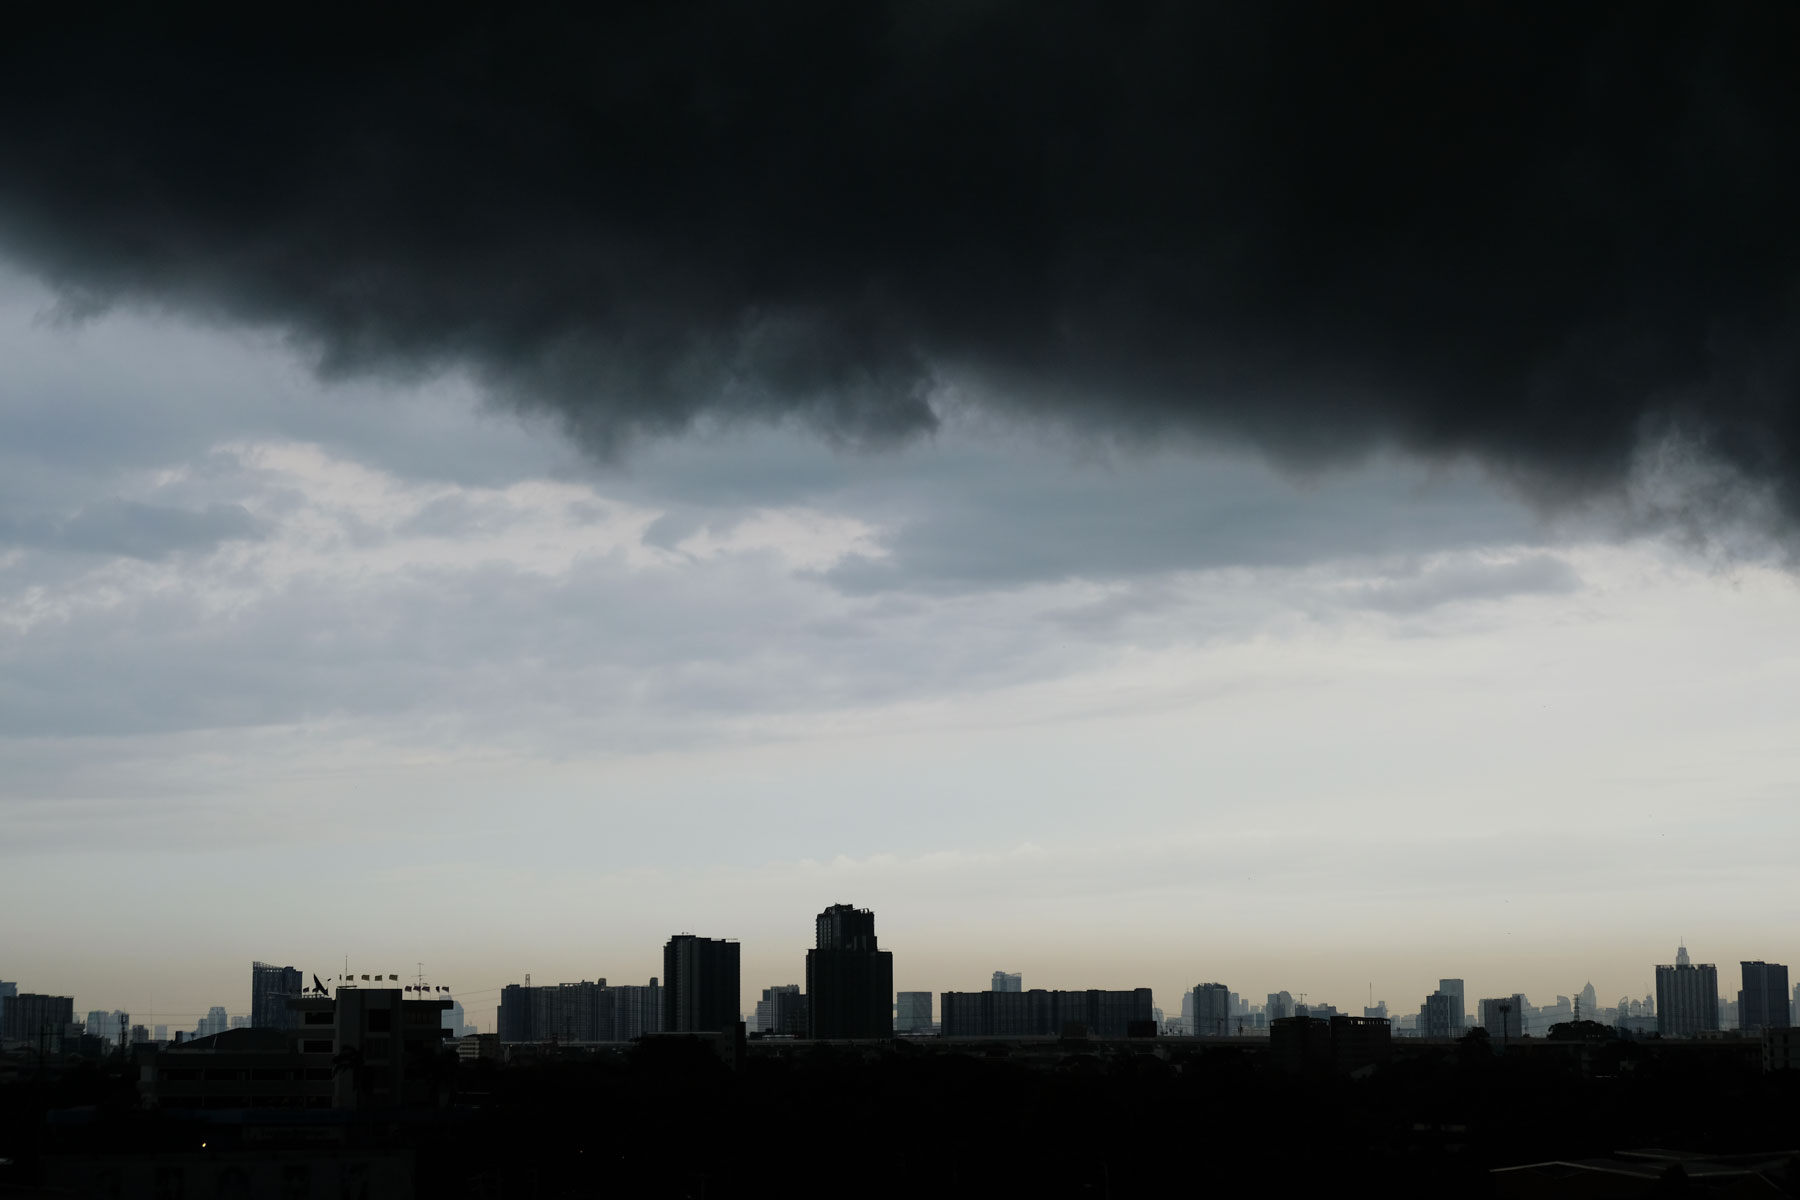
[161, 1033]
[782, 1010]
[1376, 1012]
[1040, 1013]
[1504, 1017]
[1763, 1004]
[1590, 1003]
[849, 978]
[29, 1017]
[1459, 1008]
[1280, 1006]
[1004, 982]
[215, 1021]
[700, 985]
[7, 988]
[1212, 1010]
[637, 1010]
[912, 1012]
[271, 988]
[1438, 1015]
[562, 1013]
[1687, 997]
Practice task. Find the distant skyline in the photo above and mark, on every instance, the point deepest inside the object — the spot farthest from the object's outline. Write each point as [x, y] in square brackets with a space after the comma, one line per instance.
[495, 496]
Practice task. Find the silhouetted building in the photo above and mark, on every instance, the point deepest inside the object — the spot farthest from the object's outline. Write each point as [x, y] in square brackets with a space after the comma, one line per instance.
[1211, 1015]
[365, 1048]
[1040, 1013]
[777, 1013]
[29, 1017]
[700, 985]
[1459, 1005]
[1504, 1017]
[563, 1012]
[1687, 997]
[1007, 982]
[1279, 1006]
[637, 1010]
[849, 978]
[1763, 1002]
[912, 1012]
[1437, 1016]
[271, 988]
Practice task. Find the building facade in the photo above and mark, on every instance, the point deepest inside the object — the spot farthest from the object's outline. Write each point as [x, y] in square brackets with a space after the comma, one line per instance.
[271, 988]
[29, 1017]
[912, 1013]
[1438, 1016]
[1763, 1002]
[849, 978]
[1211, 1015]
[700, 985]
[1459, 1005]
[1687, 997]
[1040, 1013]
[1504, 1017]
[1005, 981]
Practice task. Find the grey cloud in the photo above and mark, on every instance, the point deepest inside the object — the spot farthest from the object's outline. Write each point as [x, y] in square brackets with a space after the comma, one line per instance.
[134, 529]
[1450, 583]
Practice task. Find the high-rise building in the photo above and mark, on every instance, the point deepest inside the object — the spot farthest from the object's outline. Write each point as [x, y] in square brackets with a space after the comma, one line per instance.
[912, 1012]
[1590, 1003]
[216, 1020]
[1438, 1016]
[563, 1012]
[456, 1021]
[1504, 1017]
[849, 978]
[1005, 981]
[1459, 1007]
[1763, 1004]
[1279, 1007]
[782, 1011]
[1040, 1013]
[271, 988]
[637, 1010]
[700, 985]
[29, 1017]
[1211, 1010]
[1687, 997]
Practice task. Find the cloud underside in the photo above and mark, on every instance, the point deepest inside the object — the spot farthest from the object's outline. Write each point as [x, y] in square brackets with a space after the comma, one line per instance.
[1534, 239]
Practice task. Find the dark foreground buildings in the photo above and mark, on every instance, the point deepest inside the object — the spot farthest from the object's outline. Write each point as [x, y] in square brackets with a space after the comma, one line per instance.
[700, 985]
[1040, 1013]
[849, 979]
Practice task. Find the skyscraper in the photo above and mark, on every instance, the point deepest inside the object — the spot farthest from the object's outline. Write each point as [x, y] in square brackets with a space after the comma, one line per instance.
[1438, 1016]
[700, 985]
[29, 1017]
[270, 989]
[1687, 997]
[1763, 1004]
[912, 1012]
[1504, 1017]
[1459, 1007]
[1212, 1010]
[1007, 982]
[849, 978]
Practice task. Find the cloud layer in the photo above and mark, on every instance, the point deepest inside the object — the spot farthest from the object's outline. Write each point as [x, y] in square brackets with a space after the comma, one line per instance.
[1537, 239]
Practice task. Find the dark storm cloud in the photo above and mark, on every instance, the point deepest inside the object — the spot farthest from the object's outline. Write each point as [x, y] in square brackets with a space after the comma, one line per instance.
[1538, 238]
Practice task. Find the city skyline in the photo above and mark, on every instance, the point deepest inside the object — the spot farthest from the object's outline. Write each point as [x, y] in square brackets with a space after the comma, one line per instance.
[481, 1002]
[1052, 500]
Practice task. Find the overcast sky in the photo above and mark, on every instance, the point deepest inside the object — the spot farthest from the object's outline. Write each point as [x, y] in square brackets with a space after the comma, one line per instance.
[1140, 537]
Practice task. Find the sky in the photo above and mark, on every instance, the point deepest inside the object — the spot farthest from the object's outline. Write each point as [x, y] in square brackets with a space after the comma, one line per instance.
[1196, 497]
